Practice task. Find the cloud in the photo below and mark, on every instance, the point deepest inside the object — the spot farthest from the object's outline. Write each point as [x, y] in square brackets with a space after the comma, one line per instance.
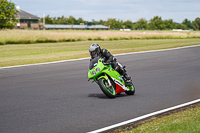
[132, 10]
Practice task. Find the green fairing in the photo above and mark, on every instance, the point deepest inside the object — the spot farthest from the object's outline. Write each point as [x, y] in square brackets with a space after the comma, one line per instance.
[104, 69]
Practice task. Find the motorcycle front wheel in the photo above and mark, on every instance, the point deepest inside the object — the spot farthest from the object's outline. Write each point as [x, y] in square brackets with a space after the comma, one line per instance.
[108, 91]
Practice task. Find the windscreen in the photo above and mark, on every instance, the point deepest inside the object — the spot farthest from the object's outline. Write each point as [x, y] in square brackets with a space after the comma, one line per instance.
[93, 62]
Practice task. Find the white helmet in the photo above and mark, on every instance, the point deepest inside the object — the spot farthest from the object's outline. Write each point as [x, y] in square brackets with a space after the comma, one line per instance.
[94, 50]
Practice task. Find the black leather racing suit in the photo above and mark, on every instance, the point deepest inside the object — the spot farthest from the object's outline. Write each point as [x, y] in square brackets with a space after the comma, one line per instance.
[109, 59]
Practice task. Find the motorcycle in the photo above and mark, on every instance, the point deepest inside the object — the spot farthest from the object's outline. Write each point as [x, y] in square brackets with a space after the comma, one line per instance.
[109, 80]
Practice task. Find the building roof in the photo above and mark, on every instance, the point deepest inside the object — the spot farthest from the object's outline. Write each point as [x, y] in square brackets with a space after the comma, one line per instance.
[57, 26]
[25, 15]
[98, 27]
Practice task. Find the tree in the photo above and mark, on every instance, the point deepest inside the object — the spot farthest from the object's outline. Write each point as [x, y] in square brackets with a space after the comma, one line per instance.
[101, 22]
[169, 24]
[113, 23]
[71, 20]
[53, 20]
[80, 20]
[157, 23]
[196, 24]
[128, 24]
[61, 20]
[141, 24]
[180, 26]
[48, 20]
[94, 22]
[187, 23]
[7, 14]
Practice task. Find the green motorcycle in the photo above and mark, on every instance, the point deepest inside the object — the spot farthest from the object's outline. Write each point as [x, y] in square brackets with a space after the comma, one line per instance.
[109, 80]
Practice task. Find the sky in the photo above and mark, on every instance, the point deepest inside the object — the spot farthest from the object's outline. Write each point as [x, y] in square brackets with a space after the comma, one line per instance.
[132, 10]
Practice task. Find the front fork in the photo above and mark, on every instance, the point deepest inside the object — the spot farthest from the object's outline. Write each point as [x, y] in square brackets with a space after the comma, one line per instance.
[106, 77]
[109, 83]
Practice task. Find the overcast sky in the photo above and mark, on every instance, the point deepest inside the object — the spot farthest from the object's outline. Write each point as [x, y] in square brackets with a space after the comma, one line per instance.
[124, 10]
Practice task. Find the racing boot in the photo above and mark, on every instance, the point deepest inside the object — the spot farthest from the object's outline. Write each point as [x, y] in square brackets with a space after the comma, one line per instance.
[127, 79]
[125, 76]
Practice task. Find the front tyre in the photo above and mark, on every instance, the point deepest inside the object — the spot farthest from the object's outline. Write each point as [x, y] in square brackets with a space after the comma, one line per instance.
[131, 90]
[108, 91]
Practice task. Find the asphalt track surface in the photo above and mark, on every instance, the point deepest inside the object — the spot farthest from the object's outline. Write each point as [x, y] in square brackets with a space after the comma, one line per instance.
[57, 98]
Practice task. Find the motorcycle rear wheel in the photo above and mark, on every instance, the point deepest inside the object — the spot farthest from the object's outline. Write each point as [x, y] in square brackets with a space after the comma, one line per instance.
[108, 91]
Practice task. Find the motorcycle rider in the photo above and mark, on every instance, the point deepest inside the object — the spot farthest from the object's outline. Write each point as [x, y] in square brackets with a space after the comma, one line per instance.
[95, 51]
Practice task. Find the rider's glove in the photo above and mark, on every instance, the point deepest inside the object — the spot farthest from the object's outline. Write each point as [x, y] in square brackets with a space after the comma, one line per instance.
[105, 62]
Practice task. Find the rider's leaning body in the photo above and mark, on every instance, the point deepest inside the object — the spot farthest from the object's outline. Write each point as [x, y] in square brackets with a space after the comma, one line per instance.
[108, 58]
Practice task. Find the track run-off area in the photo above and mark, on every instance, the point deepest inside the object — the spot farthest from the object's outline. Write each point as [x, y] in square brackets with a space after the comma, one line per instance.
[56, 97]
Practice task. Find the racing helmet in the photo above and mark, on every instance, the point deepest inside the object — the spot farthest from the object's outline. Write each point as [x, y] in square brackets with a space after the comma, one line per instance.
[94, 50]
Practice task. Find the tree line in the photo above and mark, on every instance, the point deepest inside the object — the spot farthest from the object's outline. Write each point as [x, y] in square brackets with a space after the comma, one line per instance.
[7, 14]
[8, 20]
[156, 23]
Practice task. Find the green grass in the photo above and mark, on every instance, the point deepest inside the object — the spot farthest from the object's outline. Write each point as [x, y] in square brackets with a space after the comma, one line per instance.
[187, 121]
[16, 54]
[46, 36]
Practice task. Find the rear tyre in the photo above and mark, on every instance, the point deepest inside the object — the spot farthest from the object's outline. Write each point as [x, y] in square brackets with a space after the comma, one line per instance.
[108, 91]
[131, 90]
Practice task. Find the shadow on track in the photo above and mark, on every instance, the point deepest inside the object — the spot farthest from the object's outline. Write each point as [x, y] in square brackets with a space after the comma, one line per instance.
[103, 96]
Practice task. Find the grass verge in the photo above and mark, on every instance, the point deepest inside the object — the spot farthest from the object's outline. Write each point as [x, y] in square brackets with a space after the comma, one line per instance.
[43, 36]
[22, 54]
[187, 121]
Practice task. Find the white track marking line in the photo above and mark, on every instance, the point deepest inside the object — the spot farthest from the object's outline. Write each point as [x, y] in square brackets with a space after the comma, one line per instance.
[144, 117]
[150, 51]
[54, 62]
[89, 57]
